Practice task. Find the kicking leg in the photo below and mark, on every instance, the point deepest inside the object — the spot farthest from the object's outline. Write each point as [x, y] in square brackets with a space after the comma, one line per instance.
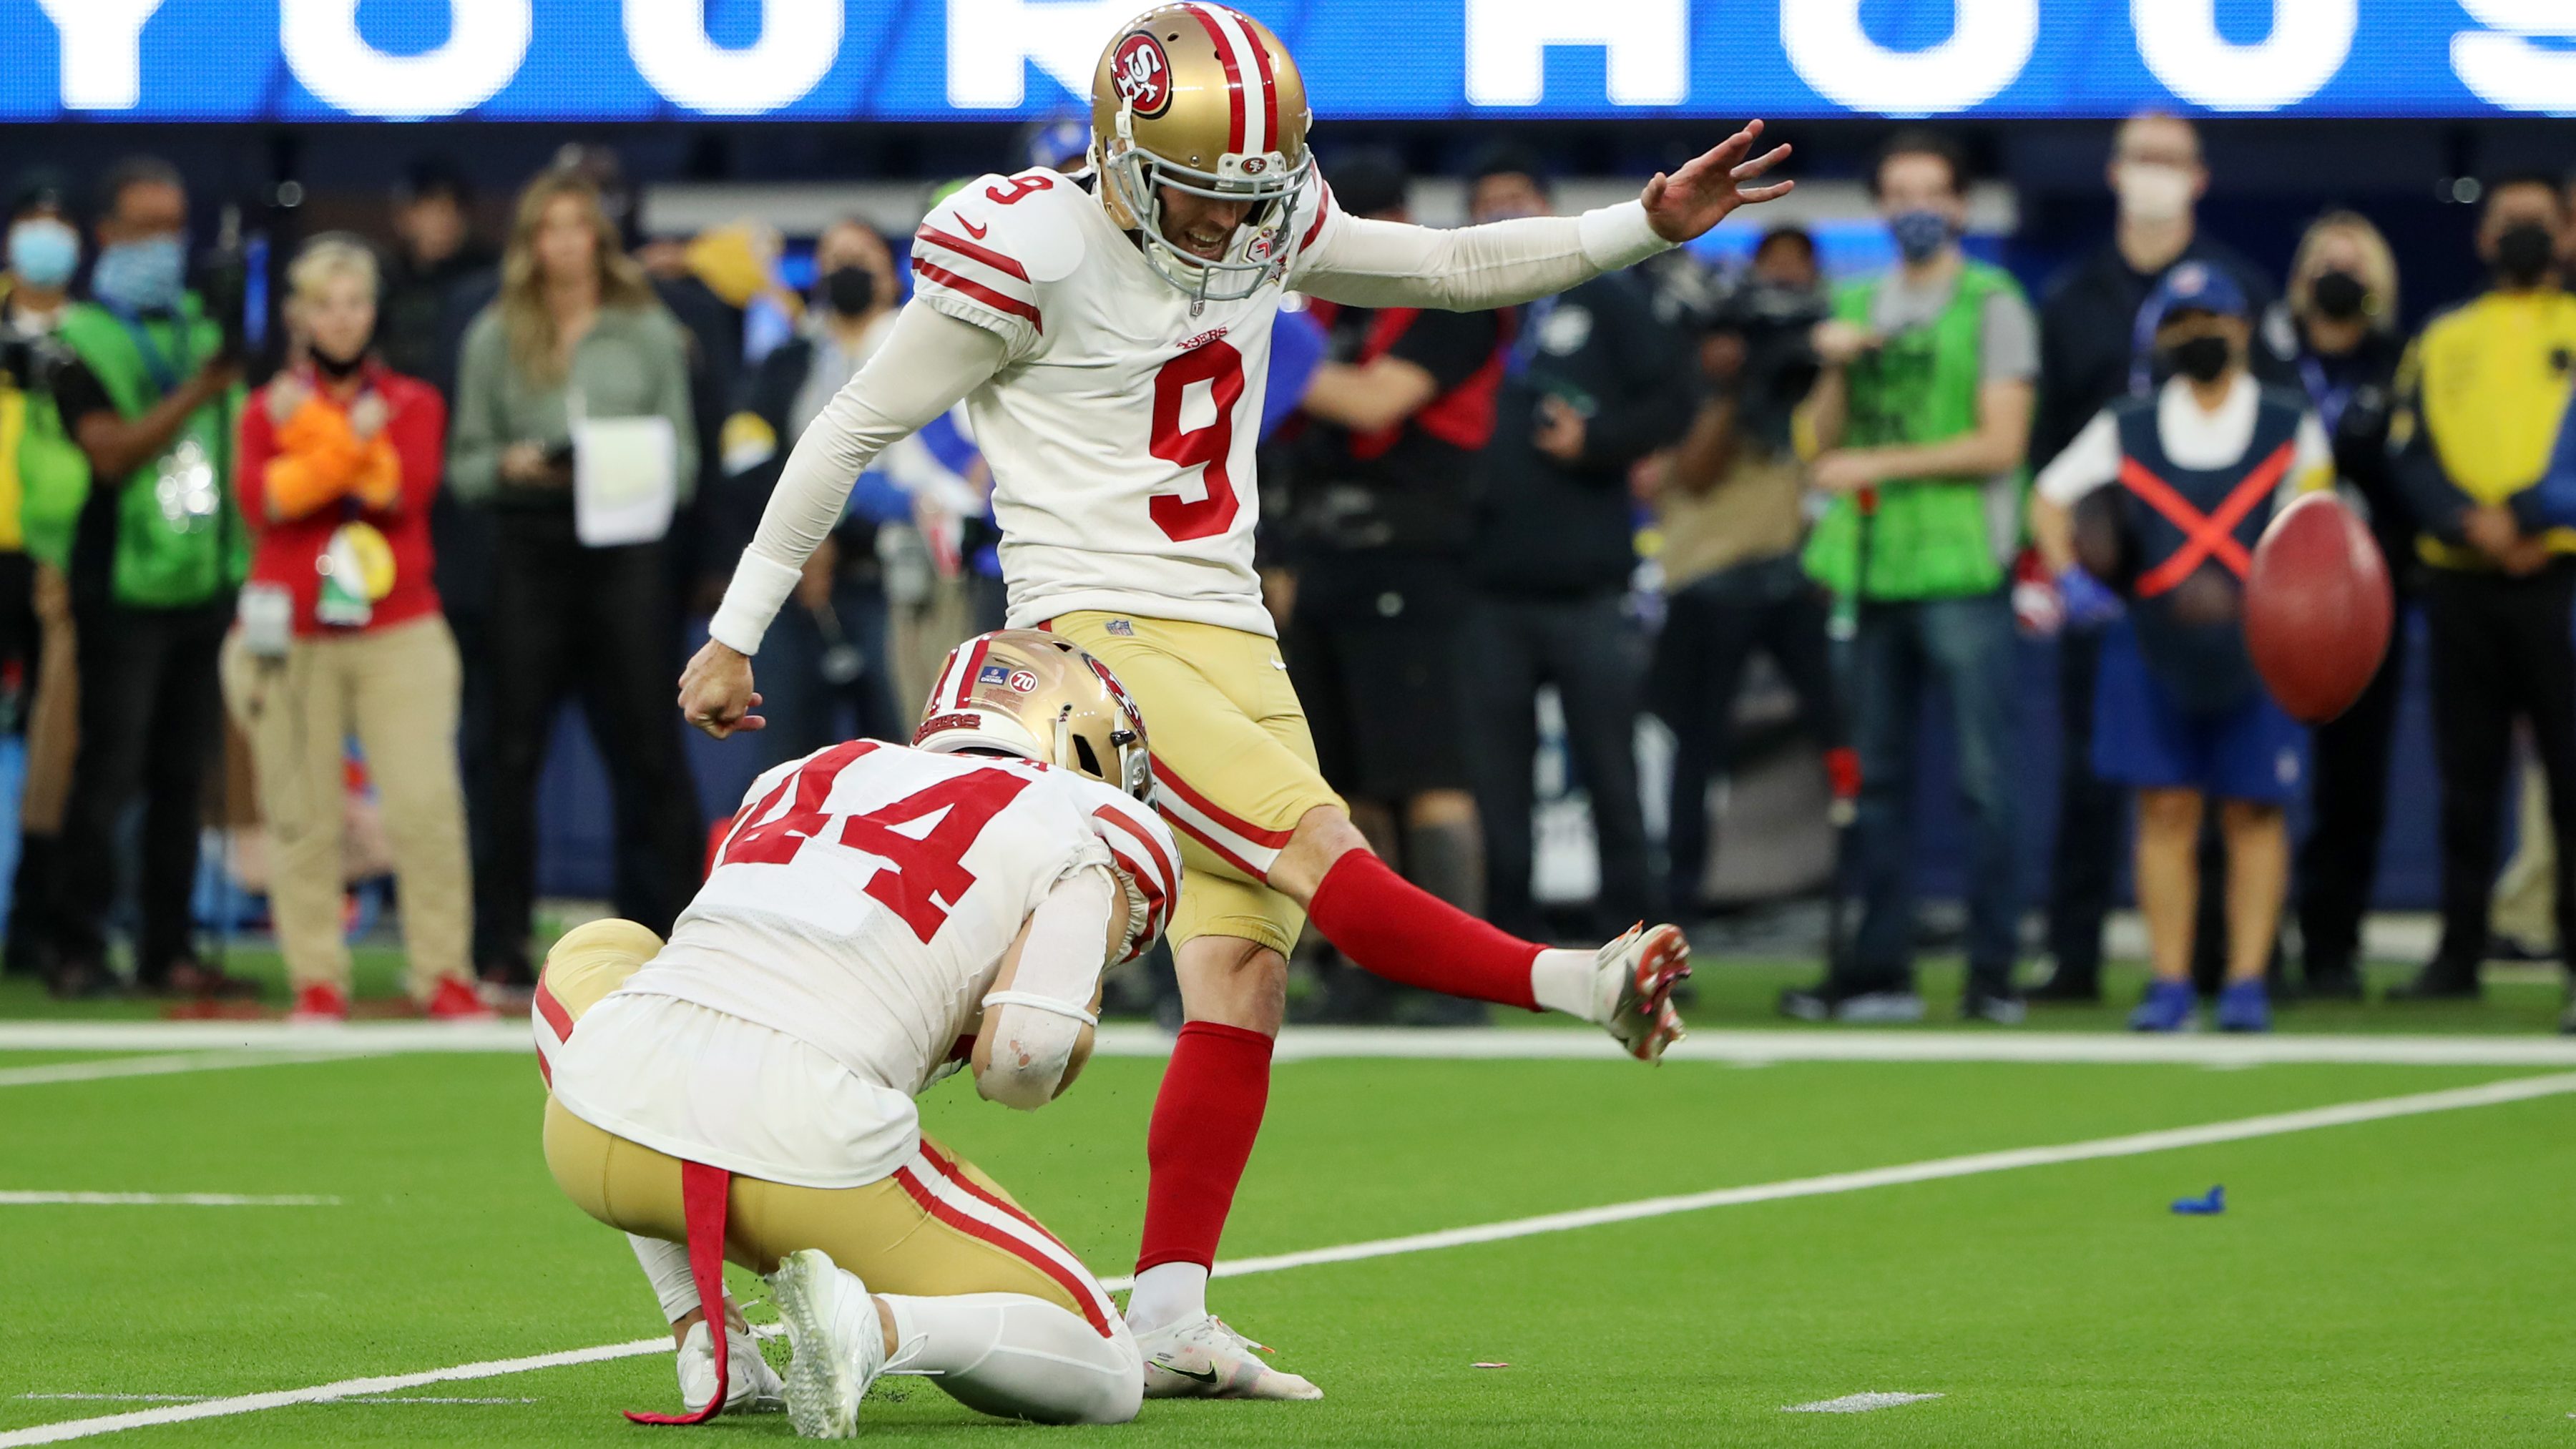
[1387, 925]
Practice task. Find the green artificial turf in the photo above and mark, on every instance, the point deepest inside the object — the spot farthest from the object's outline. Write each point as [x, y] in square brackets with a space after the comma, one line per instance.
[2390, 1283]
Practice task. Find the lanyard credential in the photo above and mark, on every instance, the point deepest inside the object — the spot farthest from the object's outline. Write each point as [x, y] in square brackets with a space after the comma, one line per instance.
[165, 375]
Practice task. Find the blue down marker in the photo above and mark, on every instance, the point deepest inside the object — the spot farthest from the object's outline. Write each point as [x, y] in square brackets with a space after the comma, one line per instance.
[2203, 1207]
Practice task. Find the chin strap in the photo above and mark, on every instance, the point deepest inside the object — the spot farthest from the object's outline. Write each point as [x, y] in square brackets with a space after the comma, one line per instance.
[703, 1193]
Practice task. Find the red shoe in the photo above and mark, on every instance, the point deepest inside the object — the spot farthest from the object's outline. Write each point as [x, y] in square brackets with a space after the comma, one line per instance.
[319, 1006]
[456, 1001]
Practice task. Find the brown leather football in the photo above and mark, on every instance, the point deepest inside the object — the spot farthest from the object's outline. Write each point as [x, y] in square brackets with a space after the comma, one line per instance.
[2317, 608]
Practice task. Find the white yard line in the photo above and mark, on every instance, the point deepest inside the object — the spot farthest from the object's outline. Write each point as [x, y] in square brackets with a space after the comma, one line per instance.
[2272, 1125]
[158, 1066]
[1856, 1403]
[1743, 1048]
[159, 1199]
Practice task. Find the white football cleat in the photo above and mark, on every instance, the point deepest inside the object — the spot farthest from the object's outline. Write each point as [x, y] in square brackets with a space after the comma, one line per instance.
[1201, 1358]
[751, 1386]
[1632, 987]
[840, 1346]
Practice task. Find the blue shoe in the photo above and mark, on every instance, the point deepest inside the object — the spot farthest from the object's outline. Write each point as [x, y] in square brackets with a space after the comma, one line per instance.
[2245, 1006]
[2169, 1006]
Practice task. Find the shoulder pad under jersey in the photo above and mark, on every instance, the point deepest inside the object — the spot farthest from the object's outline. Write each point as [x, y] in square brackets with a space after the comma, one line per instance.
[989, 253]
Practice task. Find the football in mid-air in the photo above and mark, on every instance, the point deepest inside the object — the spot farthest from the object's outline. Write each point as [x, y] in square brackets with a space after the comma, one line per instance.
[2317, 608]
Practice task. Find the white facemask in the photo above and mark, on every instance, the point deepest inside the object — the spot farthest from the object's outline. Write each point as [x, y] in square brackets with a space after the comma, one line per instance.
[2152, 191]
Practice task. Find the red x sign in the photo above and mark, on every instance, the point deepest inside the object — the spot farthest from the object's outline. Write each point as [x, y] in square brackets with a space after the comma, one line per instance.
[2205, 535]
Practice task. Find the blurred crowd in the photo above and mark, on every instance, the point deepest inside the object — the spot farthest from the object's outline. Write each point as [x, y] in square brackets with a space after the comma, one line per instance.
[323, 573]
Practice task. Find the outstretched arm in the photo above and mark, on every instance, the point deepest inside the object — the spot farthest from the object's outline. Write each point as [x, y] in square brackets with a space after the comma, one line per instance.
[1366, 263]
[928, 363]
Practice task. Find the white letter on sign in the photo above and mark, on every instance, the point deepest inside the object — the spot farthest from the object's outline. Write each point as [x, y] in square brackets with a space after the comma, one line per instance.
[2180, 42]
[989, 41]
[1989, 44]
[799, 40]
[1648, 42]
[486, 40]
[2507, 69]
[102, 45]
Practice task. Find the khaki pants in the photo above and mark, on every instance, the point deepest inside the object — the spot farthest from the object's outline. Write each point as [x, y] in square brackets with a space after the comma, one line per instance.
[396, 690]
[53, 715]
[919, 637]
[938, 1226]
[2526, 897]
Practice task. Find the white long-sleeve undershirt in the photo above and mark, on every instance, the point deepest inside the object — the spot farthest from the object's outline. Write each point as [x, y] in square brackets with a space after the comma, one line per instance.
[931, 361]
[1038, 1021]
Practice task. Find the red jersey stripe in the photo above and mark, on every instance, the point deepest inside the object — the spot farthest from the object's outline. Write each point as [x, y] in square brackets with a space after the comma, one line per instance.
[1144, 837]
[1323, 208]
[1218, 850]
[553, 1011]
[981, 293]
[929, 1202]
[979, 252]
[1227, 818]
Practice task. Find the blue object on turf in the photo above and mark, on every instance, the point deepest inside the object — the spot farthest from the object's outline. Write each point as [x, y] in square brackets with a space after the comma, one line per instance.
[2203, 1207]
[2169, 1006]
[2245, 1006]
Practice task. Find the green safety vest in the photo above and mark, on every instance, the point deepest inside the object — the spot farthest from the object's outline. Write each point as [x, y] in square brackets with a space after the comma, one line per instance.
[162, 563]
[1931, 538]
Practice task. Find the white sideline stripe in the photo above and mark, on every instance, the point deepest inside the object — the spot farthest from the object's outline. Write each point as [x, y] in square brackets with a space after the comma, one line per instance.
[157, 1066]
[1741, 1048]
[1856, 1403]
[2167, 1140]
[321, 1393]
[159, 1199]
[2344, 1114]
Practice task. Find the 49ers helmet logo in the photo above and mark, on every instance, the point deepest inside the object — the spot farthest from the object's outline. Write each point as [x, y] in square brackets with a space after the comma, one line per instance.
[1142, 74]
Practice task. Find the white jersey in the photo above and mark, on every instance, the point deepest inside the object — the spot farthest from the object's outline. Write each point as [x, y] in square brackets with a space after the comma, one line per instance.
[1120, 429]
[866, 893]
[860, 907]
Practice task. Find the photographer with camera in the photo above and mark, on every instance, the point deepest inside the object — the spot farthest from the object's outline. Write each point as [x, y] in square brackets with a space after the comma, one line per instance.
[149, 390]
[1592, 383]
[1728, 502]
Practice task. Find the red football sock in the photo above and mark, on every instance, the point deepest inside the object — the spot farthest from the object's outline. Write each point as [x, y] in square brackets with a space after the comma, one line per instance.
[1205, 1118]
[1393, 928]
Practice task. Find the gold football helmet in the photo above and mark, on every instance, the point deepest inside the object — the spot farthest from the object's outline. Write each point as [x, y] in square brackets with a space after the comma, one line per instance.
[1038, 696]
[1203, 99]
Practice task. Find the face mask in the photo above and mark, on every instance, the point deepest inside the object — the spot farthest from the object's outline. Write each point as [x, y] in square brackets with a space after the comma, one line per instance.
[2152, 191]
[43, 252]
[142, 276]
[2339, 295]
[2523, 254]
[2202, 359]
[849, 291]
[338, 369]
[1920, 235]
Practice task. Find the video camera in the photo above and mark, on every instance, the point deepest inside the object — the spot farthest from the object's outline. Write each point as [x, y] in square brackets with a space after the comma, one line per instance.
[1779, 364]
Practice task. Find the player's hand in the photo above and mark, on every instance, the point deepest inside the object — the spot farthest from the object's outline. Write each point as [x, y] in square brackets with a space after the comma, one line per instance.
[1837, 341]
[1846, 470]
[715, 691]
[1690, 201]
[2526, 556]
[1560, 431]
[2491, 529]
